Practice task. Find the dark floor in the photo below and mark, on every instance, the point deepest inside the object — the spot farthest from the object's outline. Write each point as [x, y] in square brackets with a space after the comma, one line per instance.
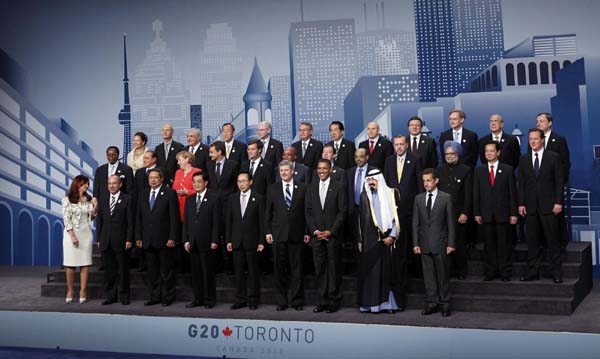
[20, 291]
[28, 353]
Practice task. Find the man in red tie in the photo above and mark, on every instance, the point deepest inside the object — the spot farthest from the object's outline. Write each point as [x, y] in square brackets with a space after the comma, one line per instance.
[495, 209]
[378, 146]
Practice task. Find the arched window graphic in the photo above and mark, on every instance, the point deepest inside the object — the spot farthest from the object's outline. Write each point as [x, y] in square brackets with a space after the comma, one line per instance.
[23, 239]
[566, 63]
[488, 79]
[268, 115]
[41, 244]
[555, 68]
[544, 78]
[532, 73]
[510, 75]
[521, 78]
[5, 239]
[495, 76]
[252, 117]
[56, 254]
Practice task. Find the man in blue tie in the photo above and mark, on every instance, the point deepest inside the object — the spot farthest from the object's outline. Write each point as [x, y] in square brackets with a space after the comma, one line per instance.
[355, 177]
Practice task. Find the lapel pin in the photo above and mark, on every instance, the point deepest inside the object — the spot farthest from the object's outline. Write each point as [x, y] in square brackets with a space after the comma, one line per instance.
[379, 144]
[172, 148]
[422, 141]
[261, 165]
[464, 140]
[118, 171]
[205, 200]
[295, 172]
[119, 201]
[271, 146]
[499, 171]
[554, 140]
[458, 180]
[408, 161]
[295, 186]
[310, 144]
[502, 140]
[253, 199]
[161, 193]
[343, 145]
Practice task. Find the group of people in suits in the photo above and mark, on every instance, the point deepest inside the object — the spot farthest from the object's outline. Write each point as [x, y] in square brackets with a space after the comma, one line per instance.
[405, 212]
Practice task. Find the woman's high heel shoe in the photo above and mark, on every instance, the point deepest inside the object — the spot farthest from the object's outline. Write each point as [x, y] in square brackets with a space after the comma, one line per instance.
[68, 299]
[82, 300]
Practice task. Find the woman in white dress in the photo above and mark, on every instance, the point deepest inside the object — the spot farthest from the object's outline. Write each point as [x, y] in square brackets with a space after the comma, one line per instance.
[135, 158]
[77, 210]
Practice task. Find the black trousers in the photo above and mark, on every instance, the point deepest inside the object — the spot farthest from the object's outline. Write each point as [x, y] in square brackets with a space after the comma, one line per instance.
[327, 256]
[543, 232]
[399, 263]
[288, 259]
[459, 258]
[436, 275]
[116, 274]
[161, 280]
[497, 249]
[247, 289]
[202, 267]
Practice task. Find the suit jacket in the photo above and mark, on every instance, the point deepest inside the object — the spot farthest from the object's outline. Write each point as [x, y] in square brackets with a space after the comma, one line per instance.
[540, 194]
[510, 151]
[433, 233]
[154, 227]
[248, 230]
[273, 152]
[302, 174]
[350, 178]
[426, 150]
[116, 229]
[286, 225]
[337, 174]
[100, 190]
[263, 175]
[200, 156]
[227, 183]
[238, 152]
[558, 144]
[470, 146]
[202, 228]
[411, 183]
[329, 217]
[496, 203]
[345, 155]
[383, 149]
[169, 164]
[457, 181]
[141, 184]
[313, 154]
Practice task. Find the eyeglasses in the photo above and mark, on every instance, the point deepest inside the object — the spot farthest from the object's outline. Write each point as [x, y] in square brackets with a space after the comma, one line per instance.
[450, 153]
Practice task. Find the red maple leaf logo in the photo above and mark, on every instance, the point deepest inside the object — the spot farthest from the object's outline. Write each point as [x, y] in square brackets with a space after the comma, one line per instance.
[227, 332]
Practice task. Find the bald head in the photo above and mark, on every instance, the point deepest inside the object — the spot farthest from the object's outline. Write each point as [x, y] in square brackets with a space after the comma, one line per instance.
[372, 130]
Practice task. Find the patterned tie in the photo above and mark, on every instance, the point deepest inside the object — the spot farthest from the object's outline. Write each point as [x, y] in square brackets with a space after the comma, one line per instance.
[252, 168]
[358, 187]
[198, 203]
[243, 203]
[371, 147]
[414, 145]
[167, 145]
[429, 204]
[492, 178]
[337, 147]
[228, 150]
[497, 138]
[536, 165]
[400, 168]
[218, 171]
[288, 196]
[456, 136]
[323, 194]
[263, 153]
[152, 199]
[113, 201]
[303, 149]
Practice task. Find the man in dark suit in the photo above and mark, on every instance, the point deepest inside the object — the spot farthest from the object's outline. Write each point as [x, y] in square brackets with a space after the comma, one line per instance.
[260, 169]
[344, 148]
[467, 139]
[403, 172]
[540, 191]
[197, 148]
[422, 145]
[495, 208]
[300, 172]
[166, 152]
[337, 173]
[286, 230]
[201, 238]
[272, 149]
[456, 179]
[234, 149]
[433, 238]
[325, 211]
[113, 167]
[157, 231]
[245, 238]
[356, 182]
[114, 226]
[378, 147]
[510, 150]
[308, 149]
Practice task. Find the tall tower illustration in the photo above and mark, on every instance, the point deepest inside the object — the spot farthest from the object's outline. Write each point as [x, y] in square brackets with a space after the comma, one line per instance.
[125, 113]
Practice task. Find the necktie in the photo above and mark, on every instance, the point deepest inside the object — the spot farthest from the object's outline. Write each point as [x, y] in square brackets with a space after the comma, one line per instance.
[492, 175]
[358, 187]
[152, 199]
[536, 165]
[252, 168]
[166, 151]
[263, 153]
[198, 203]
[399, 168]
[337, 147]
[193, 149]
[414, 145]
[228, 150]
[303, 149]
[112, 204]
[429, 204]
[323, 194]
[218, 171]
[456, 136]
[371, 147]
[111, 170]
[288, 196]
[243, 203]
[497, 138]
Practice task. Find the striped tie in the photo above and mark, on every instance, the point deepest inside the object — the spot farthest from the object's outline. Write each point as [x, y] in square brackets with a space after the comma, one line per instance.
[288, 196]
[113, 201]
[198, 203]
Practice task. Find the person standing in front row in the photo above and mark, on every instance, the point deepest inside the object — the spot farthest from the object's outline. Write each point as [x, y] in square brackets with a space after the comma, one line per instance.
[114, 226]
[434, 239]
[157, 231]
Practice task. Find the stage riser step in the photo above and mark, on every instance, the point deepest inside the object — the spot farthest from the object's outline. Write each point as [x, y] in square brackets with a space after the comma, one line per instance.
[414, 301]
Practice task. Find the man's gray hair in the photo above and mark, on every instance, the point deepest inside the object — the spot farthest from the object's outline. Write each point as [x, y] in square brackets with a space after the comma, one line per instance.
[286, 163]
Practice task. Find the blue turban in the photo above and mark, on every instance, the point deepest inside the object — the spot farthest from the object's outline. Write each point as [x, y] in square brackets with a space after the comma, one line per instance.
[455, 146]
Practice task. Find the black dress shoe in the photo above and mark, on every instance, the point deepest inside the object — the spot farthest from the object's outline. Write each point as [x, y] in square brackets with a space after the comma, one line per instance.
[238, 305]
[332, 308]
[193, 304]
[108, 301]
[320, 308]
[253, 307]
[209, 306]
[298, 307]
[446, 312]
[166, 304]
[125, 301]
[142, 269]
[506, 279]
[401, 308]
[390, 311]
[281, 308]
[461, 277]
[488, 278]
[429, 310]
[529, 278]
[151, 302]
[557, 280]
